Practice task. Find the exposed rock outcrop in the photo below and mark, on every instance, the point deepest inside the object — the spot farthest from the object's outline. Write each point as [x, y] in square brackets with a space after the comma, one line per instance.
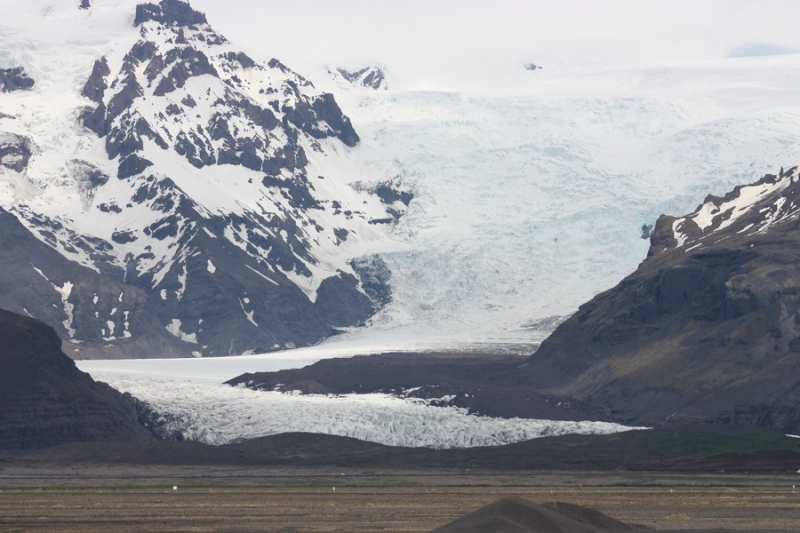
[169, 12]
[14, 79]
[15, 151]
[369, 77]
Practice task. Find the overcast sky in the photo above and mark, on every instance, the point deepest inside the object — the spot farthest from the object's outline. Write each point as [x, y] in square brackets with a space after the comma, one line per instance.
[466, 37]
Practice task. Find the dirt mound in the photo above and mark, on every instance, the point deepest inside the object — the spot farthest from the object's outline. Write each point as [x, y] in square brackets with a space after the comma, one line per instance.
[515, 515]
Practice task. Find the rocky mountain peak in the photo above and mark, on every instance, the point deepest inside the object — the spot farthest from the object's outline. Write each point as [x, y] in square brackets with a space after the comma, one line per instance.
[235, 111]
[169, 12]
[370, 77]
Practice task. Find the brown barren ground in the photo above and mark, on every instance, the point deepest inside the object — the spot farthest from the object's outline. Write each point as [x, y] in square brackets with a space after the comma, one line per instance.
[102, 499]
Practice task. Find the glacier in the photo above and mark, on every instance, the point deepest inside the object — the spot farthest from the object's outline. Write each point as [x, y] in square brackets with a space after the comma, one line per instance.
[190, 401]
[531, 197]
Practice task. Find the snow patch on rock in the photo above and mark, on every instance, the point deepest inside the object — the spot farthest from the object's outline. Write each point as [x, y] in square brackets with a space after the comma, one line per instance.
[174, 327]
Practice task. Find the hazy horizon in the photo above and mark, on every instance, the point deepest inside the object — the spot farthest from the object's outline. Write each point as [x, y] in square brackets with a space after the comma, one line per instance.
[449, 40]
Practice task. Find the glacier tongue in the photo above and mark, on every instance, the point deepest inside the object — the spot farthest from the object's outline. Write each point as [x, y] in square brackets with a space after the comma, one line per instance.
[531, 196]
[219, 414]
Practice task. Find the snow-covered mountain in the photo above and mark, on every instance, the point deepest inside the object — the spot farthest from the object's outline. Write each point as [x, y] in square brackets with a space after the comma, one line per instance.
[190, 187]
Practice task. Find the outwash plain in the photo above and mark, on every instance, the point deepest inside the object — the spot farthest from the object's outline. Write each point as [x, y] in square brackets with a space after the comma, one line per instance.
[95, 499]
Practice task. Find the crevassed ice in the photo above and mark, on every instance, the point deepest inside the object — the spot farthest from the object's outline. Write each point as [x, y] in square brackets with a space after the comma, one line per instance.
[219, 414]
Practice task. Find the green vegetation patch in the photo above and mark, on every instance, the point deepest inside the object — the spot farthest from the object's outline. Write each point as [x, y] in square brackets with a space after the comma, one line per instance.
[707, 443]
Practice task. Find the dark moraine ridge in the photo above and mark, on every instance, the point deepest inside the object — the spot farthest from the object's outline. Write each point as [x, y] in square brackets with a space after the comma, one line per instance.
[486, 384]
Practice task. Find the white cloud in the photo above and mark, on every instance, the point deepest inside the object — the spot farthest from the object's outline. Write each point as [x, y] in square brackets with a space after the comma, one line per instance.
[461, 39]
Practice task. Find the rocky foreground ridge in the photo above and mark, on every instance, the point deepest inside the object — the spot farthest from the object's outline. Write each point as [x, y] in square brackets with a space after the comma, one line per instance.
[45, 400]
[203, 212]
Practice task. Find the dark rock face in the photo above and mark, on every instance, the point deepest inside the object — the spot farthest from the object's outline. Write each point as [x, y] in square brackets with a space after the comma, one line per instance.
[389, 195]
[15, 151]
[186, 63]
[14, 79]
[169, 12]
[96, 85]
[85, 4]
[107, 317]
[340, 303]
[328, 110]
[375, 278]
[370, 77]
[132, 165]
[706, 330]
[45, 400]
[395, 197]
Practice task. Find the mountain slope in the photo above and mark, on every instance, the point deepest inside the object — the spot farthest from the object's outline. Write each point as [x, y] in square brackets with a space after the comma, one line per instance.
[198, 178]
[45, 400]
[74, 298]
[707, 329]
